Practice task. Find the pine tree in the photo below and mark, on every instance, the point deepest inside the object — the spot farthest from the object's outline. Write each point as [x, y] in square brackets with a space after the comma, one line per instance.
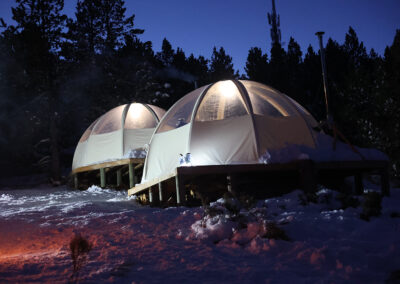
[257, 65]
[198, 67]
[101, 26]
[179, 60]
[390, 115]
[38, 35]
[166, 56]
[221, 66]
[85, 33]
[294, 73]
[277, 68]
[98, 39]
[313, 98]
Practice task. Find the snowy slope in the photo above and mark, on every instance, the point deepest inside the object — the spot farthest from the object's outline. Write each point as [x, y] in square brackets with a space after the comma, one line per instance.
[181, 245]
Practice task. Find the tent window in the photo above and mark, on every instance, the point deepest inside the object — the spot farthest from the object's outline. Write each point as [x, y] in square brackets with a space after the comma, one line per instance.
[86, 134]
[109, 122]
[267, 101]
[139, 117]
[181, 113]
[223, 100]
[262, 106]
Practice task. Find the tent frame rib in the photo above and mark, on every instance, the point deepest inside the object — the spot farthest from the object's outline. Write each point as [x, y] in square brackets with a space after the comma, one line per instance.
[194, 112]
[243, 92]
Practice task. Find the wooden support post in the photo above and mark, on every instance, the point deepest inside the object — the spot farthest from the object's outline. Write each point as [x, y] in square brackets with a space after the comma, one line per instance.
[151, 195]
[76, 182]
[119, 177]
[385, 182]
[178, 193]
[102, 177]
[229, 183]
[308, 176]
[359, 187]
[131, 175]
[160, 195]
[180, 190]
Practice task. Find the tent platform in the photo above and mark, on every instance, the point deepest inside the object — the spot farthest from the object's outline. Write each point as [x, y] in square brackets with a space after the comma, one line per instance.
[208, 183]
[101, 173]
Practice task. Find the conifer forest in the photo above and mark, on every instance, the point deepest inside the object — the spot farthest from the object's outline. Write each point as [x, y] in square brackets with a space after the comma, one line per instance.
[58, 74]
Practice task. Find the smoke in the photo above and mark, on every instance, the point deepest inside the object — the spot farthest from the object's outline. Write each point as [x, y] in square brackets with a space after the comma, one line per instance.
[174, 73]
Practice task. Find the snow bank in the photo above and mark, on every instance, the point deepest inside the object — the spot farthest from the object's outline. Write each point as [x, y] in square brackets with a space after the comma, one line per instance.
[136, 154]
[212, 229]
[323, 152]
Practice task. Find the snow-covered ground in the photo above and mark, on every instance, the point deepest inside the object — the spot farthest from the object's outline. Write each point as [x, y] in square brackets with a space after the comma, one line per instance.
[132, 243]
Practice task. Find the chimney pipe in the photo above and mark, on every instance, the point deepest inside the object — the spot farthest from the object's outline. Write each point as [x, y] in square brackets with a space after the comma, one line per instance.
[329, 117]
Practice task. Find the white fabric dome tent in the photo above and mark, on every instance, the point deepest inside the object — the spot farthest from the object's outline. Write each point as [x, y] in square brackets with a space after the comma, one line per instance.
[228, 122]
[118, 134]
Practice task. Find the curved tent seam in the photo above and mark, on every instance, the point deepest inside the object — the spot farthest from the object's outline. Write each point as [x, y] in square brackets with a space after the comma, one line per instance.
[243, 92]
[123, 118]
[152, 112]
[299, 112]
[194, 112]
[154, 132]
[124, 115]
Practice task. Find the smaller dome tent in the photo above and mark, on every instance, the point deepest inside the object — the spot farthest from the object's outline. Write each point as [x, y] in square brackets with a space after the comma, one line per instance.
[120, 133]
[228, 122]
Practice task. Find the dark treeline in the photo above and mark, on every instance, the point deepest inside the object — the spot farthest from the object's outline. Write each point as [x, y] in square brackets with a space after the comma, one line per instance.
[364, 87]
[58, 74]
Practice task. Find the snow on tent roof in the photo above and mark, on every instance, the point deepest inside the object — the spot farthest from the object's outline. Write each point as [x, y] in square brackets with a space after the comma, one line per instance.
[228, 122]
[117, 134]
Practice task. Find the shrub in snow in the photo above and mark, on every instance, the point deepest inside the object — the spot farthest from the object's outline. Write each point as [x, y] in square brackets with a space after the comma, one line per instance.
[231, 204]
[272, 231]
[306, 197]
[228, 220]
[79, 247]
[347, 200]
[325, 196]
[247, 201]
[213, 211]
[371, 206]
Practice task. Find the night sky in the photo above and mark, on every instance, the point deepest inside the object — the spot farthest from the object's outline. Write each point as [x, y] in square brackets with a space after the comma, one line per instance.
[197, 26]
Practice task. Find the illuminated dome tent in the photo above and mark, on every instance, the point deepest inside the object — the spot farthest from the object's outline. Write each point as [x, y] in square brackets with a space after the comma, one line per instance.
[119, 134]
[229, 122]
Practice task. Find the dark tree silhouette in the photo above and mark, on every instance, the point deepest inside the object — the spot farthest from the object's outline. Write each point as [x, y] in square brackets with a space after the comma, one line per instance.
[166, 55]
[277, 68]
[38, 34]
[389, 113]
[257, 65]
[221, 66]
[95, 62]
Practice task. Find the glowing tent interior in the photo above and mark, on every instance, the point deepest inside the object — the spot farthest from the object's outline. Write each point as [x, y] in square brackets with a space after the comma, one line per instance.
[117, 137]
[229, 122]
[223, 135]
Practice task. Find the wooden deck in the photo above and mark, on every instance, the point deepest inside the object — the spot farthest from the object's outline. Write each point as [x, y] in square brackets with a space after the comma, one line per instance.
[107, 165]
[304, 174]
[100, 173]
